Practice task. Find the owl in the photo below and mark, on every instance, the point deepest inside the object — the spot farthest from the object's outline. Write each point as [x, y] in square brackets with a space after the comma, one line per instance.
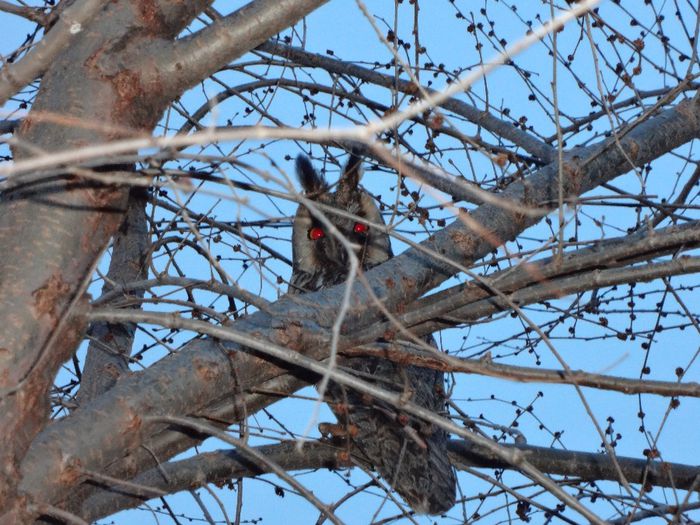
[409, 454]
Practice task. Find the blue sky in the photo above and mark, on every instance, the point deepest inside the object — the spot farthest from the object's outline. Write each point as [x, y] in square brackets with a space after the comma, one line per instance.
[340, 26]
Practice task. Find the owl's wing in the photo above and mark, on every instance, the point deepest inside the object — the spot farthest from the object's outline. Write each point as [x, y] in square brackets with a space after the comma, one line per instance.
[410, 454]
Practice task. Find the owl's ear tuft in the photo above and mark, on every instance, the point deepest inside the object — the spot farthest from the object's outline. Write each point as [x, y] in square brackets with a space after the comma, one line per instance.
[352, 173]
[309, 178]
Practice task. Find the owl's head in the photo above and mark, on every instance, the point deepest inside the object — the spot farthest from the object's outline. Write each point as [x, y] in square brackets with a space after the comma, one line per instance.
[319, 258]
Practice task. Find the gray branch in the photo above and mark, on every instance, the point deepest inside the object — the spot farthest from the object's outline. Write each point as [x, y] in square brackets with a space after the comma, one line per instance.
[70, 23]
[193, 58]
[108, 353]
[498, 127]
[224, 465]
[33, 14]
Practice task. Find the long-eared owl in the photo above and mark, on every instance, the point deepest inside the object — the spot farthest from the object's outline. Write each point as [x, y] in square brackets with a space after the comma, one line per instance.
[410, 454]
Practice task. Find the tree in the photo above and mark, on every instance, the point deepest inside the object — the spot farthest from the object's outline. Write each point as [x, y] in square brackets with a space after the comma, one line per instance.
[542, 204]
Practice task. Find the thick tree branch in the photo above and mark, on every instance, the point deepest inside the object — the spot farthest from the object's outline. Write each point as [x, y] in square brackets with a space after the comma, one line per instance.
[535, 282]
[618, 252]
[443, 315]
[297, 360]
[201, 54]
[108, 353]
[221, 466]
[465, 241]
[223, 412]
[72, 21]
[33, 14]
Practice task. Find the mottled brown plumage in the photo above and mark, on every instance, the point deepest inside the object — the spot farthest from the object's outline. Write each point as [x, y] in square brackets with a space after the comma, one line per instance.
[410, 455]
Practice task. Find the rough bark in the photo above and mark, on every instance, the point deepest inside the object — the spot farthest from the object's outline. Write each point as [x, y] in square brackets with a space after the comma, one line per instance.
[107, 356]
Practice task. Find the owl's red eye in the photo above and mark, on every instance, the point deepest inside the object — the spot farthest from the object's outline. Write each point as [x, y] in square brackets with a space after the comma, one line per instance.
[316, 233]
[360, 227]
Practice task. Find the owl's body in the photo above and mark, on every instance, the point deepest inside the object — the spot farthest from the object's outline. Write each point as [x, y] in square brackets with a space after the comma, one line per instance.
[411, 455]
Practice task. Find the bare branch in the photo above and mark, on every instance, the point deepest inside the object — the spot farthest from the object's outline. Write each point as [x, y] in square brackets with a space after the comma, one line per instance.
[223, 465]
[231, 290]
[30, 13]
[481, 118]
[404, 354]
[110, 346]
[201, 54]
[70, 23]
